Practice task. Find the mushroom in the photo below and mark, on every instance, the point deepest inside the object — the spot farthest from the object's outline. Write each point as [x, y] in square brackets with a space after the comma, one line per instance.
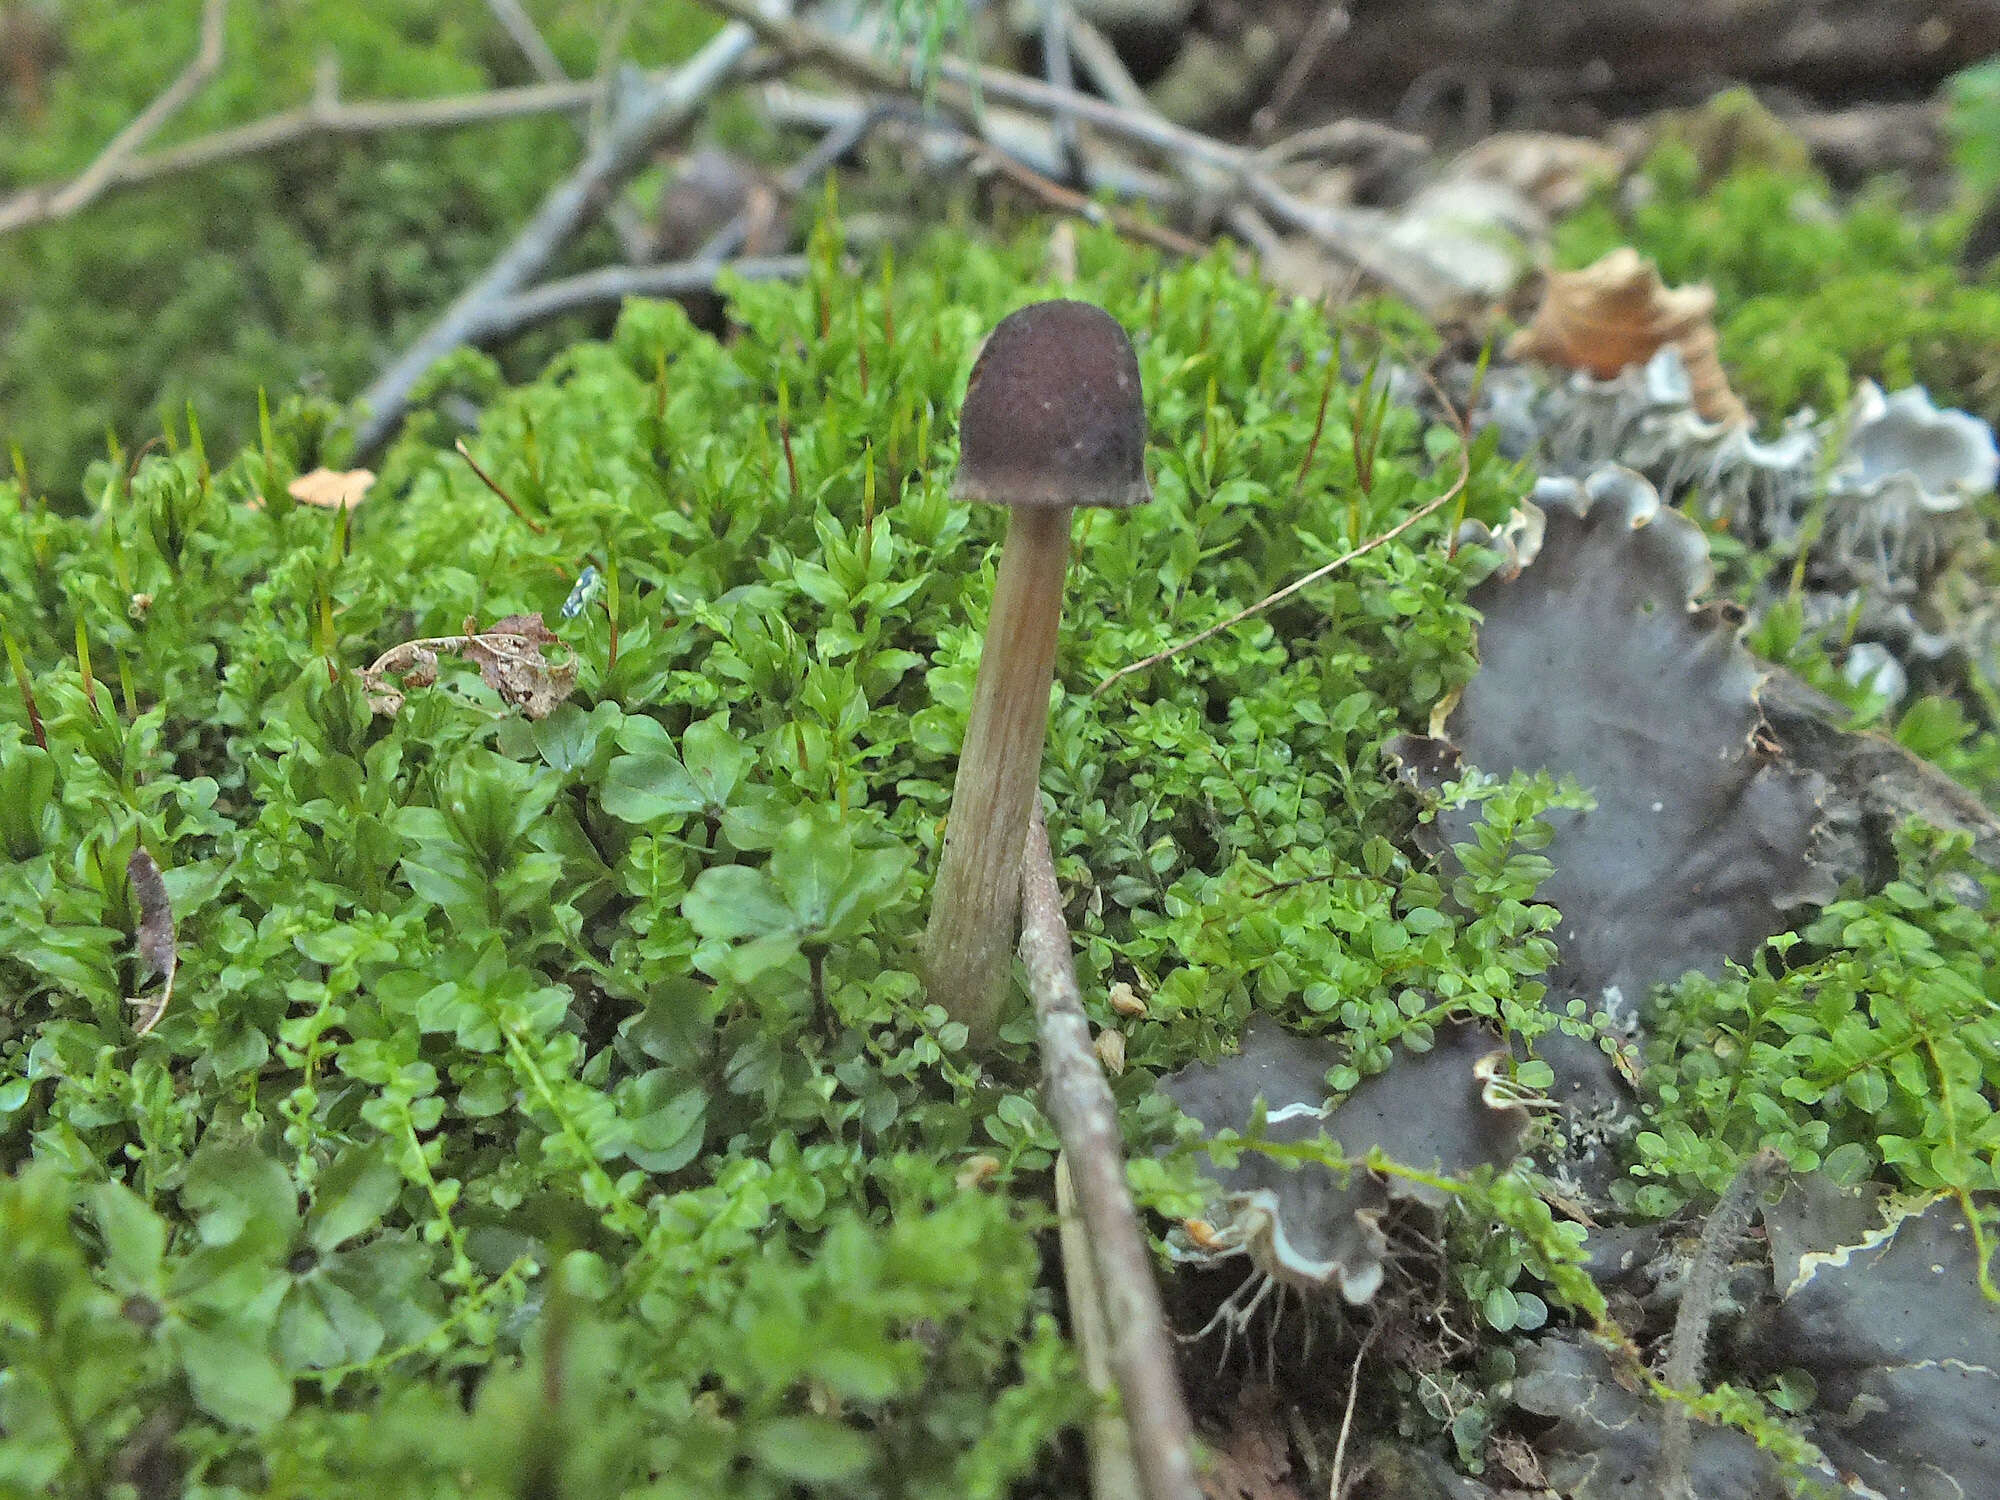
[1053, 418]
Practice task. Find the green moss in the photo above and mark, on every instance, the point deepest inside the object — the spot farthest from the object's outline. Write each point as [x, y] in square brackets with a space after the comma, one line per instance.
[305, 269]
[582, 1064]
[637, 982]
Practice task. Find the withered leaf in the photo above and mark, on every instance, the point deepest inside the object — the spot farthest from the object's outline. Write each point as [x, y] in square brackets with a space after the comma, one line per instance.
[508, 654]
[154, 940]
[332, 489]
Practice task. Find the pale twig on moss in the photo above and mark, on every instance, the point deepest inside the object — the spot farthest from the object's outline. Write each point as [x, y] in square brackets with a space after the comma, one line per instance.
[625, 148]
[1079, 1101]
[59, 201]
[1114, 1475]
[321, 116]
[1355, 235]
[526, 36]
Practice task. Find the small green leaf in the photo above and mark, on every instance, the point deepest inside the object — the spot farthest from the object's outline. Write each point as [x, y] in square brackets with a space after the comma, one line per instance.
[811, 1450]
[351, 1196]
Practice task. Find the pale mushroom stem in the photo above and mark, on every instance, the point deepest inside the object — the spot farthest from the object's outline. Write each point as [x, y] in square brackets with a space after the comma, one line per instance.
[977, 900]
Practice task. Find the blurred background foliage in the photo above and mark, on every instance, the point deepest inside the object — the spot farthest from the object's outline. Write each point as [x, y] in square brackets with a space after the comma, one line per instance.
[303, 269]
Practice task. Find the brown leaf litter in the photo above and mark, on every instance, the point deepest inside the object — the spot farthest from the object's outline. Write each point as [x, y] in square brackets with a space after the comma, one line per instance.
[508, 654]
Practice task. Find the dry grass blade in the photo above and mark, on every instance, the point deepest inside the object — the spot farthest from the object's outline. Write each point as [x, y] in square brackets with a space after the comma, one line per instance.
[1430, 507]
[154, 938]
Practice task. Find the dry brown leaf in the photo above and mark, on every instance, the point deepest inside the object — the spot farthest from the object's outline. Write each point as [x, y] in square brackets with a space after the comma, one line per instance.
[332, 489]
[1617, 312]
[1125, 1000]
[154, 939]
[1111, 1050]
[508, 654]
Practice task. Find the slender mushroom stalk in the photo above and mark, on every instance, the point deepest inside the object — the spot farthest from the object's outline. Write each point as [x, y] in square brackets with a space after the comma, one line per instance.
[1053, 418]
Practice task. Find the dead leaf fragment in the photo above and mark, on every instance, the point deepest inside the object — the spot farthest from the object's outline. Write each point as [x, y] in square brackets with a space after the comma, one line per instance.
[1125, 1000]
[1252, 1458]
[508, 654]
[1111, 1050]
[332, 489]
[1618, 312]
[154, 939]
[976, 1171]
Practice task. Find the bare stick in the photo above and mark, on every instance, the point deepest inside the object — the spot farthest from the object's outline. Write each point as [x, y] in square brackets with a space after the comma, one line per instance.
[1338, 1482]
[1079, 1101]
[60, 202]
[1113, 1474]
[799, 176]
[1356, 235]
[1106, 68]
[1055, 67]
[1331, 21]
[946, 146]
[520, 27]
[611, 285]
[325, 115]
[662, 109]
[1088, 209]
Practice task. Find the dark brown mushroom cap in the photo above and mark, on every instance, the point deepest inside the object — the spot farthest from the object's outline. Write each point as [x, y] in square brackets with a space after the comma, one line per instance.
[1053, 413]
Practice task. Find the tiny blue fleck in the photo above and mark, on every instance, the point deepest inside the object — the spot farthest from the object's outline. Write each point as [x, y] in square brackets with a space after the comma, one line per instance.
[585, 590]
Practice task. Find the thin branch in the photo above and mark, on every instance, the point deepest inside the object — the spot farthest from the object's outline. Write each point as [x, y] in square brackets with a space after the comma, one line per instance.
[1056, 21]
[624, 149]
[521, 29]
[795, 180]
[1430, 507]
[1355, 235]
[1088, 209]
[1338, 1482]
[322, 116]
[1331, 22]
[611, 285]
[948, 145]
[1106, 68]
[59, 202]
[1080, 1103]
[1113, 1473]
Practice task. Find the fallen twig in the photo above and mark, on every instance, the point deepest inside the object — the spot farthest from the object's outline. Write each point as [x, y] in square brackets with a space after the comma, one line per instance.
[1086, 208]
[1338, 1483]
[521, 29]
[1079, 1101]
[60, 201]
[323, 115]
[1113, 1474]
[838, 140]
[627, 143]
[946, 145]
[610, 285]
[1355, 235]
